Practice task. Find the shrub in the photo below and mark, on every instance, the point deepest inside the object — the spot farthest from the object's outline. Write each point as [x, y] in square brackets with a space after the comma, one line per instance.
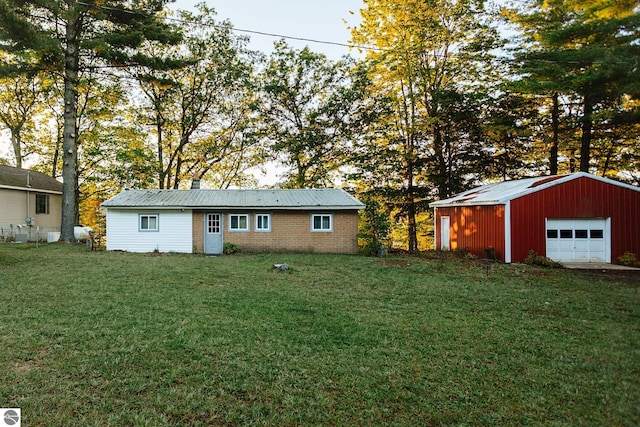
[230, 248]
[629, 259]
[375, 248]
[491, 253]
[436, 254]
[374, 228]
[462, 253]
[535, 259]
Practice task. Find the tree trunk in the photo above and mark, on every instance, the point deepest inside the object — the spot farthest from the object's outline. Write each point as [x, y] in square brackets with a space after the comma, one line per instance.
[69, 134]
[555, 125]
[56, 154]
[410, 202]
[161, 176]
[17, 147]
[439, 149]
[585, 143]
[412, 229]
[176, 179]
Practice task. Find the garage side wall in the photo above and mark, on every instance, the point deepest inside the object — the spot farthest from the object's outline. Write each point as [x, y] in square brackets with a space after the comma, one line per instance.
[579, 198]
[475, 228]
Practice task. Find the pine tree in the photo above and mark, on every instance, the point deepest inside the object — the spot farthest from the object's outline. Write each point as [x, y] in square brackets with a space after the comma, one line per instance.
[583, 49]
[66, 37]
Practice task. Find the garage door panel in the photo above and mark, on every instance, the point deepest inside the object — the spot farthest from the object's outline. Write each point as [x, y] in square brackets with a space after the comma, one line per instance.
[577, 240]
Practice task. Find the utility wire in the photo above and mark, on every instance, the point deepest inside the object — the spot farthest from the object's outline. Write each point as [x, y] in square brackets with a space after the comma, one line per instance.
[325, 42]
[232, 28]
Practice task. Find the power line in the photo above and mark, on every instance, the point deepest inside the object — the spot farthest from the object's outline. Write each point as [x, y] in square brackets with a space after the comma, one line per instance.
[232, 28]
[325, 42]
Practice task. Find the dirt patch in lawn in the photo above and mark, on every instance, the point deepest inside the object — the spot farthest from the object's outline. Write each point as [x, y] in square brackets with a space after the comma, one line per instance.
[631, 277]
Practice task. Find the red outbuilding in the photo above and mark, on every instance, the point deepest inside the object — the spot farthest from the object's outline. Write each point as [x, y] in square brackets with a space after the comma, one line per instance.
[569, 218]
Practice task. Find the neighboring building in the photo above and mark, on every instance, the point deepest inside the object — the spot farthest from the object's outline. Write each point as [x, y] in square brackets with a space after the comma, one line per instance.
[201, 221]
[30, 203]
[568, 218]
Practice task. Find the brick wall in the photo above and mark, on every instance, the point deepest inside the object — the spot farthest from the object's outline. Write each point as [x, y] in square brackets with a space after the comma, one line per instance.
[290, 232]
[198, 232]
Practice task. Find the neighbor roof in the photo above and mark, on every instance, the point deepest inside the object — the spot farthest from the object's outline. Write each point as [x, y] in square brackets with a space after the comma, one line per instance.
[24, 179]
[500, 193]
[303, 199]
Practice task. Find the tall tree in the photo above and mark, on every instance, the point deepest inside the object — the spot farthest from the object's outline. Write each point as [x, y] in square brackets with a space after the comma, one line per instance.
[19, 97]
[67, 36]
[200, 113]
[313, 110]
[432, 58]
[582, 48]
[511, 125]
[22, 98]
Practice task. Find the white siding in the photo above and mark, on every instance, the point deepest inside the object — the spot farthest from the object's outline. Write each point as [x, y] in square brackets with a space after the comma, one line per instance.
[174, 234]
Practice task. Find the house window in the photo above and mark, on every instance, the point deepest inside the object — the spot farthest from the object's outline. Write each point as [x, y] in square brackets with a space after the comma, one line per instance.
[42, 203]
[321, 222]
[213, 223]
[238, 222]
[148, 222]
[552, 234]
[597, 234]
[263, 222]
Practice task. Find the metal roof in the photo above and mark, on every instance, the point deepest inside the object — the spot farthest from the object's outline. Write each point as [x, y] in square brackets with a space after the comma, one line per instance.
[500, 193]
[24, 179]
[303, 199]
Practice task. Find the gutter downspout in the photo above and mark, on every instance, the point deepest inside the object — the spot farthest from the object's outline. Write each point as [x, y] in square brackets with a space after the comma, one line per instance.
[507, 232]
[28, 197]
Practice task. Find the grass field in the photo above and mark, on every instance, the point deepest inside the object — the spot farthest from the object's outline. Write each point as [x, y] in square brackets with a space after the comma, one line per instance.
[118, 339]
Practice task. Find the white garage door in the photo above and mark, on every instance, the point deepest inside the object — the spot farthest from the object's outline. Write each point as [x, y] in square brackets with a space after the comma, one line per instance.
[579, 240]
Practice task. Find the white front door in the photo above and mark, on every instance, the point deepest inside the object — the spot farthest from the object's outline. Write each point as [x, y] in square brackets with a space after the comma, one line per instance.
[445, 223]
[213, 239]
[579, 240]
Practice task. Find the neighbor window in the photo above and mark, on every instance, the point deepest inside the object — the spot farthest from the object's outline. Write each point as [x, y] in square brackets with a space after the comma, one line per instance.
[148, 222]
[238, 222]
[263, 222]
[42, 203]
[552, 234]
[321, 222]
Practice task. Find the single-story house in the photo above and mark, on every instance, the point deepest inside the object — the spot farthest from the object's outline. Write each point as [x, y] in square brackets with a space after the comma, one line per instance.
[577, 217]
[202, 221]
[30, 204]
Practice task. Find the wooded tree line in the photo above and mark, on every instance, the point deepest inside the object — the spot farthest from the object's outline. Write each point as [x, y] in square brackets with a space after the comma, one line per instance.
[116, 94]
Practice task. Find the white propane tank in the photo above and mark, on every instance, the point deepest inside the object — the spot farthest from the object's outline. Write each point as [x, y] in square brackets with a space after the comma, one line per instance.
[81, 233]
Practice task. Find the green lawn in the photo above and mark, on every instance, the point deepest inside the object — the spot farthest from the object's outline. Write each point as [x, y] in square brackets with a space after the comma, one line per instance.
[118, 339]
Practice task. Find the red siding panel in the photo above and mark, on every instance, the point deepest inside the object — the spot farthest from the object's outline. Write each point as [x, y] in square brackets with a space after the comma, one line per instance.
[579, 198]
[474, 228]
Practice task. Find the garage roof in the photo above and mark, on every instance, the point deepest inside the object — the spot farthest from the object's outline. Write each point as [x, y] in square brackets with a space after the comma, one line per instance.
[302, 199]
[500, 193]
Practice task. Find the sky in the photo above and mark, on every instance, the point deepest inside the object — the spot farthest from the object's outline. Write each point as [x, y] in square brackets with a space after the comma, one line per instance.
[309, 19]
